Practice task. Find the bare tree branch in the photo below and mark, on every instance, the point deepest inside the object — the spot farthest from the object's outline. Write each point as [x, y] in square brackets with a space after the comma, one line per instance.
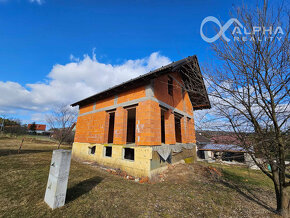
[250, 90]
[61, 120]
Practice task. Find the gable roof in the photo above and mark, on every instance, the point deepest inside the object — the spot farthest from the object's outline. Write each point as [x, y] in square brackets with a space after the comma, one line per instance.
[199, 100]
[39, 127]
[202, 139]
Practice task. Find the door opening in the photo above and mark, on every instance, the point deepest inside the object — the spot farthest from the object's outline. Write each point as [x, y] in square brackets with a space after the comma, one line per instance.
[162, 127]
[111, 127]
[177, 129]
[131, 125]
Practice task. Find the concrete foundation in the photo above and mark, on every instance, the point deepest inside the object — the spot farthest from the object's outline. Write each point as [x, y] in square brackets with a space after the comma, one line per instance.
[146, 161]
[58, 178]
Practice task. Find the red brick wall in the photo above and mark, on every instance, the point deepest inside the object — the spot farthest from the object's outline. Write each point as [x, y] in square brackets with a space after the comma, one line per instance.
[179, 100]
[92, 128]
[148, 123]
[169, 127]
[191, 131]
[161, 91]
[188, 104]
[105, 102]
[120, 128]
[99, 104]
[131, 94]
[183, 129]
[86, 108]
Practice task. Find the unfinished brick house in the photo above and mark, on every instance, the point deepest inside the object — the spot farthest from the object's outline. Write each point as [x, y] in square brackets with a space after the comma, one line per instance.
[144, 124]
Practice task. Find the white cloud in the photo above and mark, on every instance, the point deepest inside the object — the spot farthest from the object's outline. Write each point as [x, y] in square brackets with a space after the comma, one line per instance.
[38, 117]
[74, 81]
[40, 2]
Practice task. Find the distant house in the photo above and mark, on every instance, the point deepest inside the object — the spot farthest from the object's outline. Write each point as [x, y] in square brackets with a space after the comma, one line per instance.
[201, 139]
[222, 152]
[229, 138]
[39, 128]
[219, 146]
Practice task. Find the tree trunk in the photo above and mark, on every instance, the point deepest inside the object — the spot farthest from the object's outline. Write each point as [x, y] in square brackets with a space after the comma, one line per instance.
[282, 197]
[58, 145]
[283, 203]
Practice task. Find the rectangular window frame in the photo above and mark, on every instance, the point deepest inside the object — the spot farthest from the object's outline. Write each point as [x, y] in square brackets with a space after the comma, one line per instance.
[124, 153]
[105, 151]
[134, 109]
[179, 118]
[92, 150]
[111, 128]
[170, 86]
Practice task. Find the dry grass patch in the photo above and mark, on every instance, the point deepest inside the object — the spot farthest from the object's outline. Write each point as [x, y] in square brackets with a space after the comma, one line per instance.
[188, 190]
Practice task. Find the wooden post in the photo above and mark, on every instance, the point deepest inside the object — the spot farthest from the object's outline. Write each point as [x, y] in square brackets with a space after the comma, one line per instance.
[19, 149]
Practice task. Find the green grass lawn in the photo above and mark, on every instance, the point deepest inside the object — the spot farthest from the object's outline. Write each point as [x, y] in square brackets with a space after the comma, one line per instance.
[187, 191]
[241, 175]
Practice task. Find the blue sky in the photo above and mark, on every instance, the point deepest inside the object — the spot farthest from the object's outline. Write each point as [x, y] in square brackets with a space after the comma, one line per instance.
[46, 47]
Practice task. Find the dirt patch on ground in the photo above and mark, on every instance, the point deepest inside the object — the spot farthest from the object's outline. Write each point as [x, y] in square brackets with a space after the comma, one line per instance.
[183, 173]
[179, 173]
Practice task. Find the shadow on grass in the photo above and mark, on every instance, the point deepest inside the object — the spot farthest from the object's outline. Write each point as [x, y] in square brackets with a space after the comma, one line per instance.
[7, 152]
[235, 182]
[82, 188]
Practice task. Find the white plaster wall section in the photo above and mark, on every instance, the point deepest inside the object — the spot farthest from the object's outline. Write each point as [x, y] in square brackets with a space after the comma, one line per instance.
[117, 132]
[115, 99]
[139, 128]
[149, 90]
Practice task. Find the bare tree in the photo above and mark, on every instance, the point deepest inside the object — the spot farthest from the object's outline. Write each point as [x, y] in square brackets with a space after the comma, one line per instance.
[61, 121]
[250, 91]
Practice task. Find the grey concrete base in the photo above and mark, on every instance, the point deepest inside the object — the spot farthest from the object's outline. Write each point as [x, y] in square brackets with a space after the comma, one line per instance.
[58, 178]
